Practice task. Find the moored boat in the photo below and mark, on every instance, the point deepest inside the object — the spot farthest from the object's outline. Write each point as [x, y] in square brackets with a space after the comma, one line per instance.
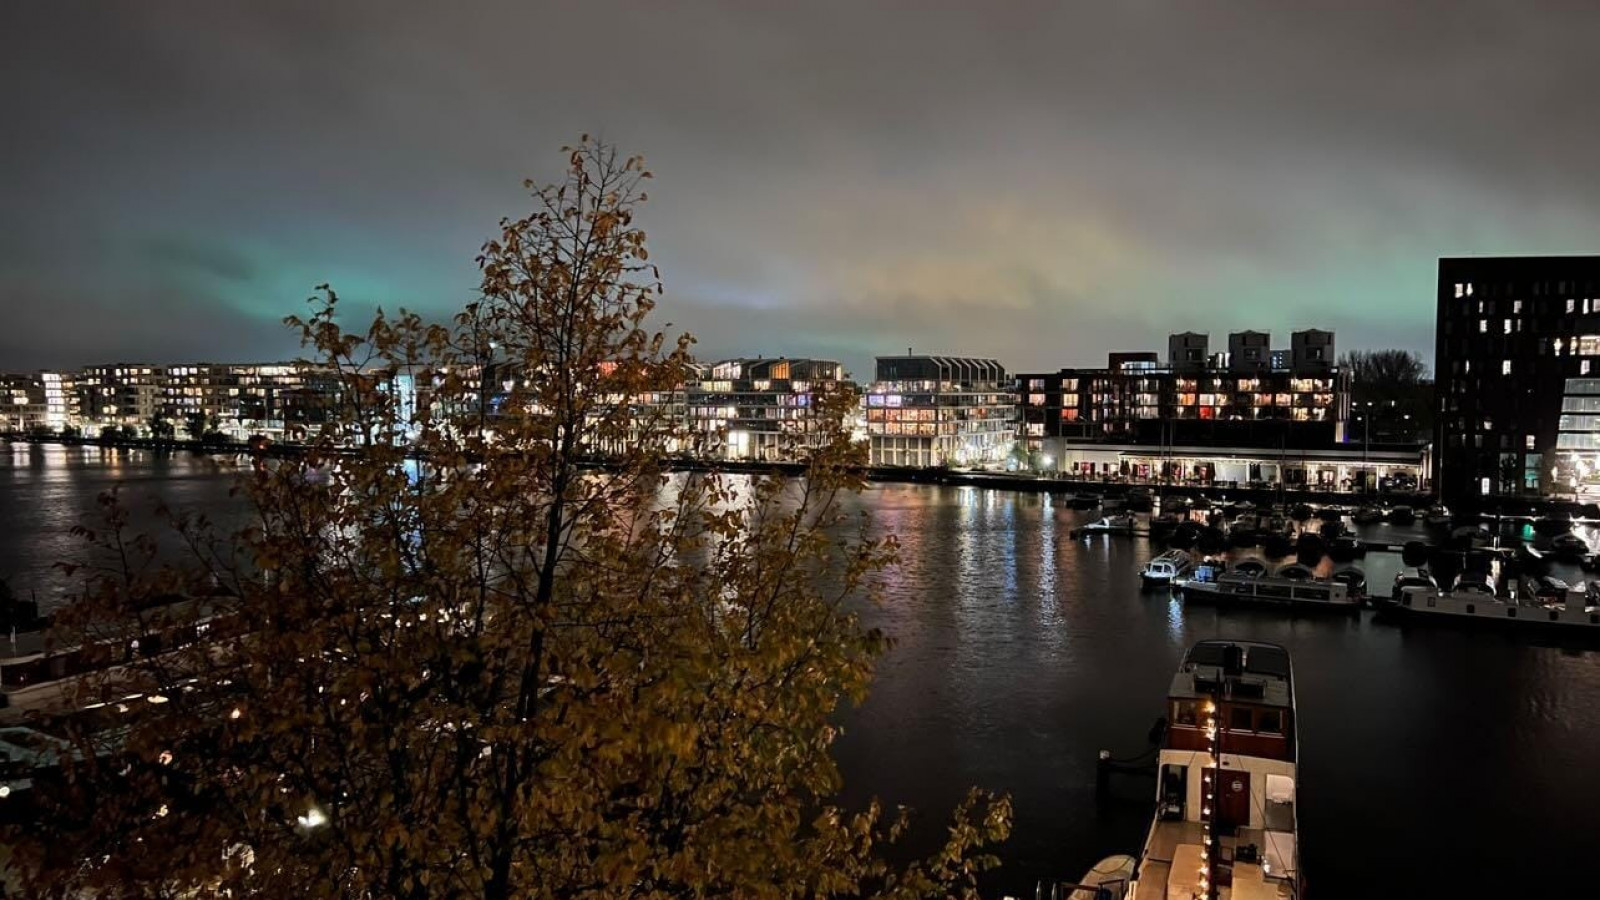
[1576, 613]
[1226, 823]
[1367, 515]
[1109, 879]
[1119, 524]
[1167, 568]
[1290, 588]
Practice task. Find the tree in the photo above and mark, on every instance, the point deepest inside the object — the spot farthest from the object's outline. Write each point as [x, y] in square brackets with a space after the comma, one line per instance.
[1391, 397]
[161, 427]
[462, 661]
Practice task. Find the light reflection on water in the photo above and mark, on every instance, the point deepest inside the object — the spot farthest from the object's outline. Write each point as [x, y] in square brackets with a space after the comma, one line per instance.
[1020, 652]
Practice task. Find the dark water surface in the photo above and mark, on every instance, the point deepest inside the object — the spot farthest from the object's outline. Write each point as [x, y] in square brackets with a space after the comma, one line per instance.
[1434, 762]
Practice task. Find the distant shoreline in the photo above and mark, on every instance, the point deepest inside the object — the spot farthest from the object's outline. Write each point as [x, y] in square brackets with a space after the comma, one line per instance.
[886, 474]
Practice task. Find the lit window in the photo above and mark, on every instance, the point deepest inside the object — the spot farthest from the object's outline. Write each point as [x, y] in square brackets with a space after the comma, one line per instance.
[1583, 367]
[1516, 307]
[1572, 305]
[1505, 367]
[1483, 326]
[1459, 291]
[1507, 324]
[1528, 442]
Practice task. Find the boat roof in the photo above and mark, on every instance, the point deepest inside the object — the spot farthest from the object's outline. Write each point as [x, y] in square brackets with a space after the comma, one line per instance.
[1264, 675]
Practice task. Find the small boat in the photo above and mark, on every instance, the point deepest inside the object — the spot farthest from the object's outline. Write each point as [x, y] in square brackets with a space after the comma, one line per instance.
[1175, 505]
[1401, 515]
[1122, 524]
[1353, 578]
[1301, 512]
[1138, 500]
[1111, 504]
[1474, 582]
[1276, 523]
[1164, 525]
[1167, 568]
[1569, 546]
[1226, 820]
[1367, 515]
[1331, 529]
[1437, 517]
[1083, 501]
[1545, 587]
[1201, 501]
[1295, 572]
[1245, 531]
[1417, 577]
[1250, 568]
[1280, 590]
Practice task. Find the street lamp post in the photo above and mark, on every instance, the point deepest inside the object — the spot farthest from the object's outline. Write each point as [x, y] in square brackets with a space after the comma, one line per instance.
[1366, 446]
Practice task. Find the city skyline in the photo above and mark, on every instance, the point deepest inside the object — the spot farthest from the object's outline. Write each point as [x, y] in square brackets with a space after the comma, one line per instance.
[186, 174]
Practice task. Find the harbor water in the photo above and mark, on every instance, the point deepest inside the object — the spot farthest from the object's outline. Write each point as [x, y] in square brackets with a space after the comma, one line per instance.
[1434, 761]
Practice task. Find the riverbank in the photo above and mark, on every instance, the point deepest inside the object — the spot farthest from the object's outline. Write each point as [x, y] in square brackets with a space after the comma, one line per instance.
[1008, 481]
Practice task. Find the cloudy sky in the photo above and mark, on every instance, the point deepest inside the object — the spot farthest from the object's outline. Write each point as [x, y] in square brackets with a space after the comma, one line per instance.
[1036, 182]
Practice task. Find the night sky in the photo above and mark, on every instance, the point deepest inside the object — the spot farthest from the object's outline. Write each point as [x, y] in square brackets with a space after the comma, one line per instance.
[1036, 182]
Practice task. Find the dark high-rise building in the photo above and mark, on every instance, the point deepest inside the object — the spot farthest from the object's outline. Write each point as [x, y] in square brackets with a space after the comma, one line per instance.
[1517, 379]
[1243, 401]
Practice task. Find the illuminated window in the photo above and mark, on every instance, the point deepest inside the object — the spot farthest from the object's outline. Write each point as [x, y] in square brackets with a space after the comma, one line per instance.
[1516, 307]
[1572, 305]
[1505, 367]
[1483, 326]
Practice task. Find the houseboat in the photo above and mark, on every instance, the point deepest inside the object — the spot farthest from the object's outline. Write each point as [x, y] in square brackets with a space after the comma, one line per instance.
[1167, 568]
[1225, 822]
[1289, 587]
[1574, 614]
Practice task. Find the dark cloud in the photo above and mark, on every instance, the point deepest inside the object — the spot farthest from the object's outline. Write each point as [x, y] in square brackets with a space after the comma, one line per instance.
[1036, 181]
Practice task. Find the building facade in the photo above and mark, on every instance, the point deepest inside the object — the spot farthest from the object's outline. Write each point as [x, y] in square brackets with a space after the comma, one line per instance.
[939, 410]
[1517, 381]
[244, 399]
[121, 395]
[760, 409]
[22, 403]
[1237, 398]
